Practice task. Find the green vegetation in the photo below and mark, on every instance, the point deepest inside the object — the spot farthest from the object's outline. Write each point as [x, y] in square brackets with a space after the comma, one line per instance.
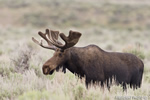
[35, 95]
[136, 51]
[55, 13]
[113, 26]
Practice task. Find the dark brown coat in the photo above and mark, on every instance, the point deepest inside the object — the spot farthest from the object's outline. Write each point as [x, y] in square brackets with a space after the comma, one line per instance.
[98, 65]
[91, 62]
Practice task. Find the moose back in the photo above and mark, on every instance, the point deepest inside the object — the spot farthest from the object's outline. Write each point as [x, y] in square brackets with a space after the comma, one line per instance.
[91, 62]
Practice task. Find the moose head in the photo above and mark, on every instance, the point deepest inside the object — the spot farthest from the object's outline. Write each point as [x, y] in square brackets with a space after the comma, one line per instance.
[61, 50]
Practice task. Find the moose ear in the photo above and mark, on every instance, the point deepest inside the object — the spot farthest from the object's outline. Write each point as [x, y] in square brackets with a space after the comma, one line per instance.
[72, 39]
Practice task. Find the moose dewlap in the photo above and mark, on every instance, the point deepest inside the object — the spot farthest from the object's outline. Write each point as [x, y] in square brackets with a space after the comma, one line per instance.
[91, 62]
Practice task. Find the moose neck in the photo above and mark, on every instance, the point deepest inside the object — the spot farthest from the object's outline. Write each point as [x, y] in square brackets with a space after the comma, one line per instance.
[74, 63]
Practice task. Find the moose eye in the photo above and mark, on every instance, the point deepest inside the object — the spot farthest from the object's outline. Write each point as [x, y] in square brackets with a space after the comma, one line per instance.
[60, 55]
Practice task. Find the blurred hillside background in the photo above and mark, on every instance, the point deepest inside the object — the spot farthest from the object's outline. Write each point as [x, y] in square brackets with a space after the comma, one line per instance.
[113, 25]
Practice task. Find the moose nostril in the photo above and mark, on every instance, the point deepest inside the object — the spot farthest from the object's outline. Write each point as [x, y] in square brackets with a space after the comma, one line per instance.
[45, 69]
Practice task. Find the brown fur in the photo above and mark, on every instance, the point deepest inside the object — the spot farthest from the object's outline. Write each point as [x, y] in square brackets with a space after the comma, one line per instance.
[98, 65]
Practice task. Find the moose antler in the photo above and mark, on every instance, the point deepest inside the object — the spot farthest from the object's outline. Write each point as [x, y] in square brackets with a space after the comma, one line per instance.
[71, 40]
[53, 42]
[43, 35]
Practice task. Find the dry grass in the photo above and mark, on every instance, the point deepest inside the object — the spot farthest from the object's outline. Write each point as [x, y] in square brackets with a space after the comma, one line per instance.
[31, 84]
[106, 24]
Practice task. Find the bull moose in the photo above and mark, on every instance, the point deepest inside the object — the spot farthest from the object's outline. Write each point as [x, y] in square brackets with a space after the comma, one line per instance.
[91, 62]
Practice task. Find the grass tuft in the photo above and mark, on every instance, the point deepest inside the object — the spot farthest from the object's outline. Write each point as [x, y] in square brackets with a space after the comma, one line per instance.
[136, 51]
[22, 60]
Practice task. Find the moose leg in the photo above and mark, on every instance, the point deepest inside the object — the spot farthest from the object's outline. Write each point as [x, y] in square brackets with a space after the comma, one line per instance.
[86, 83]
[107, 84]
[124, 87]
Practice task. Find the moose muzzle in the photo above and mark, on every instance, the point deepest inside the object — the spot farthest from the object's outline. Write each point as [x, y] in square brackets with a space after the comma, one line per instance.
[47, 70]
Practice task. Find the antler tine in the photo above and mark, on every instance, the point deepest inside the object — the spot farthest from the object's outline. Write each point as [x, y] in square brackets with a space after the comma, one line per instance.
[43, 35]
[53, 41]
[54, 36]
[48, 33]
[41, 44]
